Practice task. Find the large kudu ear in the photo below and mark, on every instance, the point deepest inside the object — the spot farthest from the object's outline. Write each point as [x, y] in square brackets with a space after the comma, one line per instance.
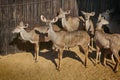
[102, 18]
[43, 18]
[92, 13]
[54, 20]
[26, 25]
[21, 23]
[99, 17]
[109, 11]
[68, 12]
[112, 10]
[61, 10]
[83, 12]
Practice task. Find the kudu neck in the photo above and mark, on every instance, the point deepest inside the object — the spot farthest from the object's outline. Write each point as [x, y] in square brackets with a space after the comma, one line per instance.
[50, 25]
[25, 35]
[99, 26]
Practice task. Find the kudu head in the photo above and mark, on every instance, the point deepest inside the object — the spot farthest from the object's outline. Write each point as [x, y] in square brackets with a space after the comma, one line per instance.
[20, 27]
[87, 15]
[49, 21]
[101, 21]
[107, 13]
[63, 13]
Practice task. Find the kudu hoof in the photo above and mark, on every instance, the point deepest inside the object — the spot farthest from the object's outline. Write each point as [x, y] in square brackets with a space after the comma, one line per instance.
[58, 68]
[36, 60]
[115, 70]
[86, 66]
[104, 64]
[97, 62]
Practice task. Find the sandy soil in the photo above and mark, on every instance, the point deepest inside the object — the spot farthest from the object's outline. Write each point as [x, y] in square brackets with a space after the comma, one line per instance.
[21, 66]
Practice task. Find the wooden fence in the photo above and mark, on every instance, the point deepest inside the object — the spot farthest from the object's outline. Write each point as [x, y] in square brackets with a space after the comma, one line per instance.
[29, 11]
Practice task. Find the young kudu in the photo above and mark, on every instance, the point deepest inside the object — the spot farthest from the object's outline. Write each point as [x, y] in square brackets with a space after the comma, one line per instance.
[89, 24]
[64, 38]
[69, 23]
[107, 41]
[30, 36]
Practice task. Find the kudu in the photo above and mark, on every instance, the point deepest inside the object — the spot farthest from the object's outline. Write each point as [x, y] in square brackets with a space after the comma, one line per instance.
[114, 25]
[31, 36]
[69, 23]
[89, 24]
[64, 38]
[107, 41]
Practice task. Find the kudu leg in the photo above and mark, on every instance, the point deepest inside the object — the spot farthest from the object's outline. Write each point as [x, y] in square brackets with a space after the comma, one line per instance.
[36, 51]
[92, 42]
[60, 53]
[98, 55]
[106, 52]
[86, 51]
[112, 57]
[86, 56]
[104, 59]
[99, 58]
[91, 46]
[117, 61]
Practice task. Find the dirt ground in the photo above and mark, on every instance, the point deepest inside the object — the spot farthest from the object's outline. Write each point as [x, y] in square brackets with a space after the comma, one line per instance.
[21, 66]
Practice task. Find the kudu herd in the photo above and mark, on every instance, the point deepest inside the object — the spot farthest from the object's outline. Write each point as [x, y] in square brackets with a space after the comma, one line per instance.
[71, 35]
